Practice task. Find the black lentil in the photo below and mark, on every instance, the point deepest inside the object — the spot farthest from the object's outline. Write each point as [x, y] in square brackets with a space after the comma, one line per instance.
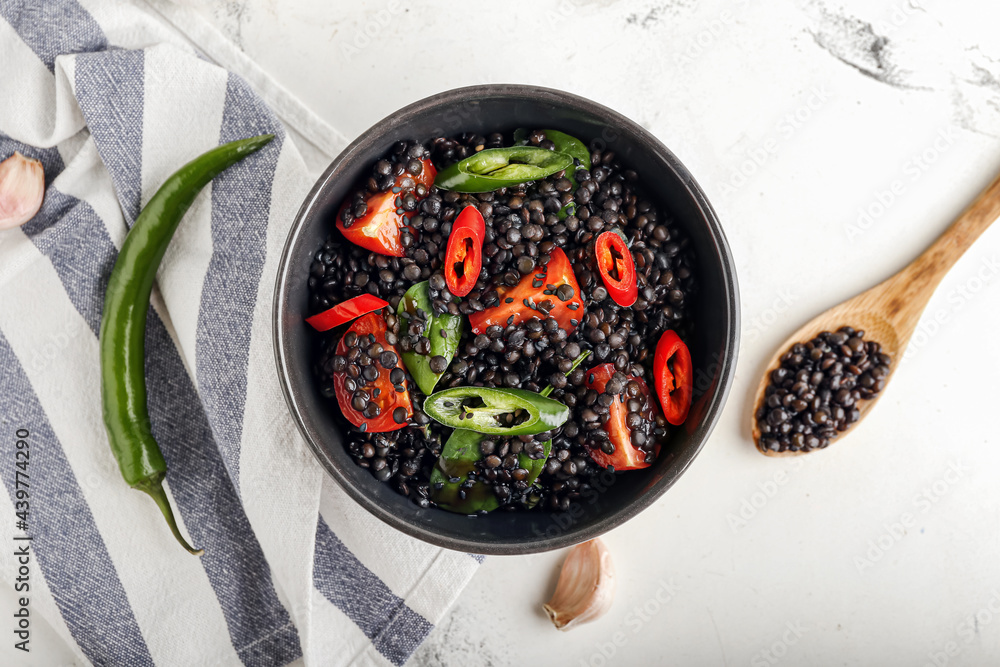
[815, 392]
[523, 225]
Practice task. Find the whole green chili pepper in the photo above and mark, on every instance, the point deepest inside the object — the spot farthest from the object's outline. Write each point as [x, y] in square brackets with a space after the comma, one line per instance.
[492, 411]
[443, 331]
[496, 168]
[458, 458]
[123, 324]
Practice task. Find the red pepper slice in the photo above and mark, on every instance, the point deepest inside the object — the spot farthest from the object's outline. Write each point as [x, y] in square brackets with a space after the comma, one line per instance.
[626, 455]
[520, 303]
[464, 259]
[675, 386]
[378, 229]
[346, 311]
[617, 268]
[388, 398]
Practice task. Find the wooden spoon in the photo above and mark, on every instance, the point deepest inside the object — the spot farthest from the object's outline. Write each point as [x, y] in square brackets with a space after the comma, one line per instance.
[889, 312]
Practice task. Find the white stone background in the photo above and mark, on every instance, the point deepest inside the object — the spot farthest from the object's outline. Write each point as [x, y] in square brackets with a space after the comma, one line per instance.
[796, 117]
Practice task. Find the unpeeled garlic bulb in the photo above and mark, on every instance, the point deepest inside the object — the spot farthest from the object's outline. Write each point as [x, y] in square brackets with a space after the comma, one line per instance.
[22, 188]
[586, 586]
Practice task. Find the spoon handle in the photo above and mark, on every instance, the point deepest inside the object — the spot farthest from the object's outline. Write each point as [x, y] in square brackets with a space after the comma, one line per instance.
[913, 286]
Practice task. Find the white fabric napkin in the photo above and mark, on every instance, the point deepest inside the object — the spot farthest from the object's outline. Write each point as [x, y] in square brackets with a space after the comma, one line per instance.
[113, 97]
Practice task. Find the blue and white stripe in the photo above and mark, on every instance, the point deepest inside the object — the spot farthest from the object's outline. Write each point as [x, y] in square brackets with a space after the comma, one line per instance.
[68, 528]
[117, 99]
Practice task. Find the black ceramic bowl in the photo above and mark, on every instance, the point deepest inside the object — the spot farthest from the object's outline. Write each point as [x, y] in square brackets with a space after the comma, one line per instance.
[485, 109]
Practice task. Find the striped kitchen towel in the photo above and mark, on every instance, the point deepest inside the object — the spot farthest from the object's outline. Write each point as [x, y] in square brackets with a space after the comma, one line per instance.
[113, 96]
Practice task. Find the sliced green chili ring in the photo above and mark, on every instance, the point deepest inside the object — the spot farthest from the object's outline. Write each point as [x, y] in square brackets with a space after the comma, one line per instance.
[496, 168]
[443, 331]
[492, 415]
[458, 458]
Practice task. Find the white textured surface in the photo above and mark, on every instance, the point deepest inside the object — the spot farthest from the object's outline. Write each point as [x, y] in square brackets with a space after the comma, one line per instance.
[828, 109]
[722, 83]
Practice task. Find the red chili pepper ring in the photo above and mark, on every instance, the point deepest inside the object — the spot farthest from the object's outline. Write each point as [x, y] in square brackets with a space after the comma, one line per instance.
[464, 258]
[614, 261]
[674, 385]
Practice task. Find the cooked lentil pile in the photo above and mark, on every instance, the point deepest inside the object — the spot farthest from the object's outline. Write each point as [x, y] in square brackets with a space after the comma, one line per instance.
[526, 225]
[816, 390]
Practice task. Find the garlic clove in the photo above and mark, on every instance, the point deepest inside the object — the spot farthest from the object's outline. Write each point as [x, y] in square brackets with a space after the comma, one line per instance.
[22, 189]
[586, 586]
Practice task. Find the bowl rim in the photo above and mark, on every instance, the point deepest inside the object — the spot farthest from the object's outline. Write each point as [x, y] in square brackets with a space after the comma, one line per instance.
[727, 363]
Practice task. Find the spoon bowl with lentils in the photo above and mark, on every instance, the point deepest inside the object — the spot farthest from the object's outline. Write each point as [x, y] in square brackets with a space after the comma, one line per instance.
[826, 380]
[829, 374]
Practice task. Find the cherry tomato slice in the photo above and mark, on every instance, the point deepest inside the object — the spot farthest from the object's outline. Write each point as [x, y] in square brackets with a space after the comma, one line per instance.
[346, 311]
[378, 229]
[626, 455]
[520, 303]
[672, 372]
[617, 268]
[464, 259]
[388, 398]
